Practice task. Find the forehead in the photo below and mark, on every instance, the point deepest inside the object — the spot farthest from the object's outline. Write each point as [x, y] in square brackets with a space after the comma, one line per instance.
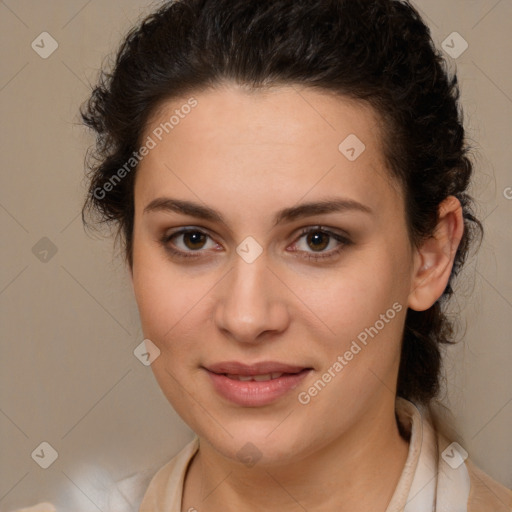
[286, 114]
[287, 142]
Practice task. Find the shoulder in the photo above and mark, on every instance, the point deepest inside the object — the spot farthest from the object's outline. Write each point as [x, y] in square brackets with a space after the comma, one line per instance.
[461, 484]
[166, 487]
[486, 494]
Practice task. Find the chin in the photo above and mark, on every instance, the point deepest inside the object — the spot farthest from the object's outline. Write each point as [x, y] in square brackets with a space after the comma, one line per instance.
[269, 442]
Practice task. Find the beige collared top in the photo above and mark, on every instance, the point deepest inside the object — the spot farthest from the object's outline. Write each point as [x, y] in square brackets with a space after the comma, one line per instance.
[437, 475]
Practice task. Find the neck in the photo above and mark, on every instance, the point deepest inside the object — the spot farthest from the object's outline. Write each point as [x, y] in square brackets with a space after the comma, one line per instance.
[357, 471]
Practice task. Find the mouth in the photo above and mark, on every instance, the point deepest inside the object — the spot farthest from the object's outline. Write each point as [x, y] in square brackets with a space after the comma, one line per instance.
[262, 368]
[257, 384]
[257, 378]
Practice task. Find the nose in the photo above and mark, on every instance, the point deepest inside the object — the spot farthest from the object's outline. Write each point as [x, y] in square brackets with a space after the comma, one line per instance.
[251, 305]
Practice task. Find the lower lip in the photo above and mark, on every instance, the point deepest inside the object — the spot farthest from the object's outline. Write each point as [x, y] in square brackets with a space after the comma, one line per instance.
[253, 393]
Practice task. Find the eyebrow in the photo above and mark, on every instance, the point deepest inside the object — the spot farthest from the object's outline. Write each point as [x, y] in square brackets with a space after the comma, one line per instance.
[328, 205]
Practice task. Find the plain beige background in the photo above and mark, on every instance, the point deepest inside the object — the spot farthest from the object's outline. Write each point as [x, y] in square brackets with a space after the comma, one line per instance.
[69, 321]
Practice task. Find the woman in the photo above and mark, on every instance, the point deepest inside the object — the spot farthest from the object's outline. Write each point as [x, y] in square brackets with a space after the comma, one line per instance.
[289, 179]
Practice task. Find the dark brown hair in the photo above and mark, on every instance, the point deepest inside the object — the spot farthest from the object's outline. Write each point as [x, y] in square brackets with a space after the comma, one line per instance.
[378, 51]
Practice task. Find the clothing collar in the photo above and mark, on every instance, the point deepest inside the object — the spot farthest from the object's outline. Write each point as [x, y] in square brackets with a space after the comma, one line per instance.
[430, 481]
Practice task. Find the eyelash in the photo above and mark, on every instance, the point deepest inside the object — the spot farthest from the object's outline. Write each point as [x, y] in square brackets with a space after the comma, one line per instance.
[344, 241]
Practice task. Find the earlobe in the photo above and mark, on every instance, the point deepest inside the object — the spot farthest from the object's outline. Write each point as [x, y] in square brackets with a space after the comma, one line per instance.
[434, 258]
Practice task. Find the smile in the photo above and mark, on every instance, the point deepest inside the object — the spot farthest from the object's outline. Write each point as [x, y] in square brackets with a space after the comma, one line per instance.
[252, 386]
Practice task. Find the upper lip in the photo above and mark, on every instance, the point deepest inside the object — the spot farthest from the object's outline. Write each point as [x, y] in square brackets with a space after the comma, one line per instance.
[262, 368]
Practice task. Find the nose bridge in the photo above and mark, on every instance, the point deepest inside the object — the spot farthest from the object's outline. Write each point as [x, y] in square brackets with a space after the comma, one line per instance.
[251, 304]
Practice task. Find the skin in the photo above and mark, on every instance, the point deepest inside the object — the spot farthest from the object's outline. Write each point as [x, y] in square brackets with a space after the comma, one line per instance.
[248, 155]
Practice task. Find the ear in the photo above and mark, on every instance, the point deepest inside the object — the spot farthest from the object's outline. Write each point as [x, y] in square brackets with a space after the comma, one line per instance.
[433, 261]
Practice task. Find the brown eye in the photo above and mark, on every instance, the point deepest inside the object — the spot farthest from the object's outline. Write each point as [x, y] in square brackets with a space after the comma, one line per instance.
[194, 240]
[186, 243]
[317, 240]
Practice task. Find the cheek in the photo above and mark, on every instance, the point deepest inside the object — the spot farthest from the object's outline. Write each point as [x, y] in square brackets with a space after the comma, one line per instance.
[163, 304]
[356, 294]
[158, 292]
[365, 314]
[364, 308]
[171, 303]
[166, 309]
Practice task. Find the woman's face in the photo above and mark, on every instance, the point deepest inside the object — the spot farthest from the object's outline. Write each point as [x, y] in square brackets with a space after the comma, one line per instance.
[247, 290]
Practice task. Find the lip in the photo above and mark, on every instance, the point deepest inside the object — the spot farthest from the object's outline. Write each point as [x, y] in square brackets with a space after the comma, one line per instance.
[255, 393]
[237, 368]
